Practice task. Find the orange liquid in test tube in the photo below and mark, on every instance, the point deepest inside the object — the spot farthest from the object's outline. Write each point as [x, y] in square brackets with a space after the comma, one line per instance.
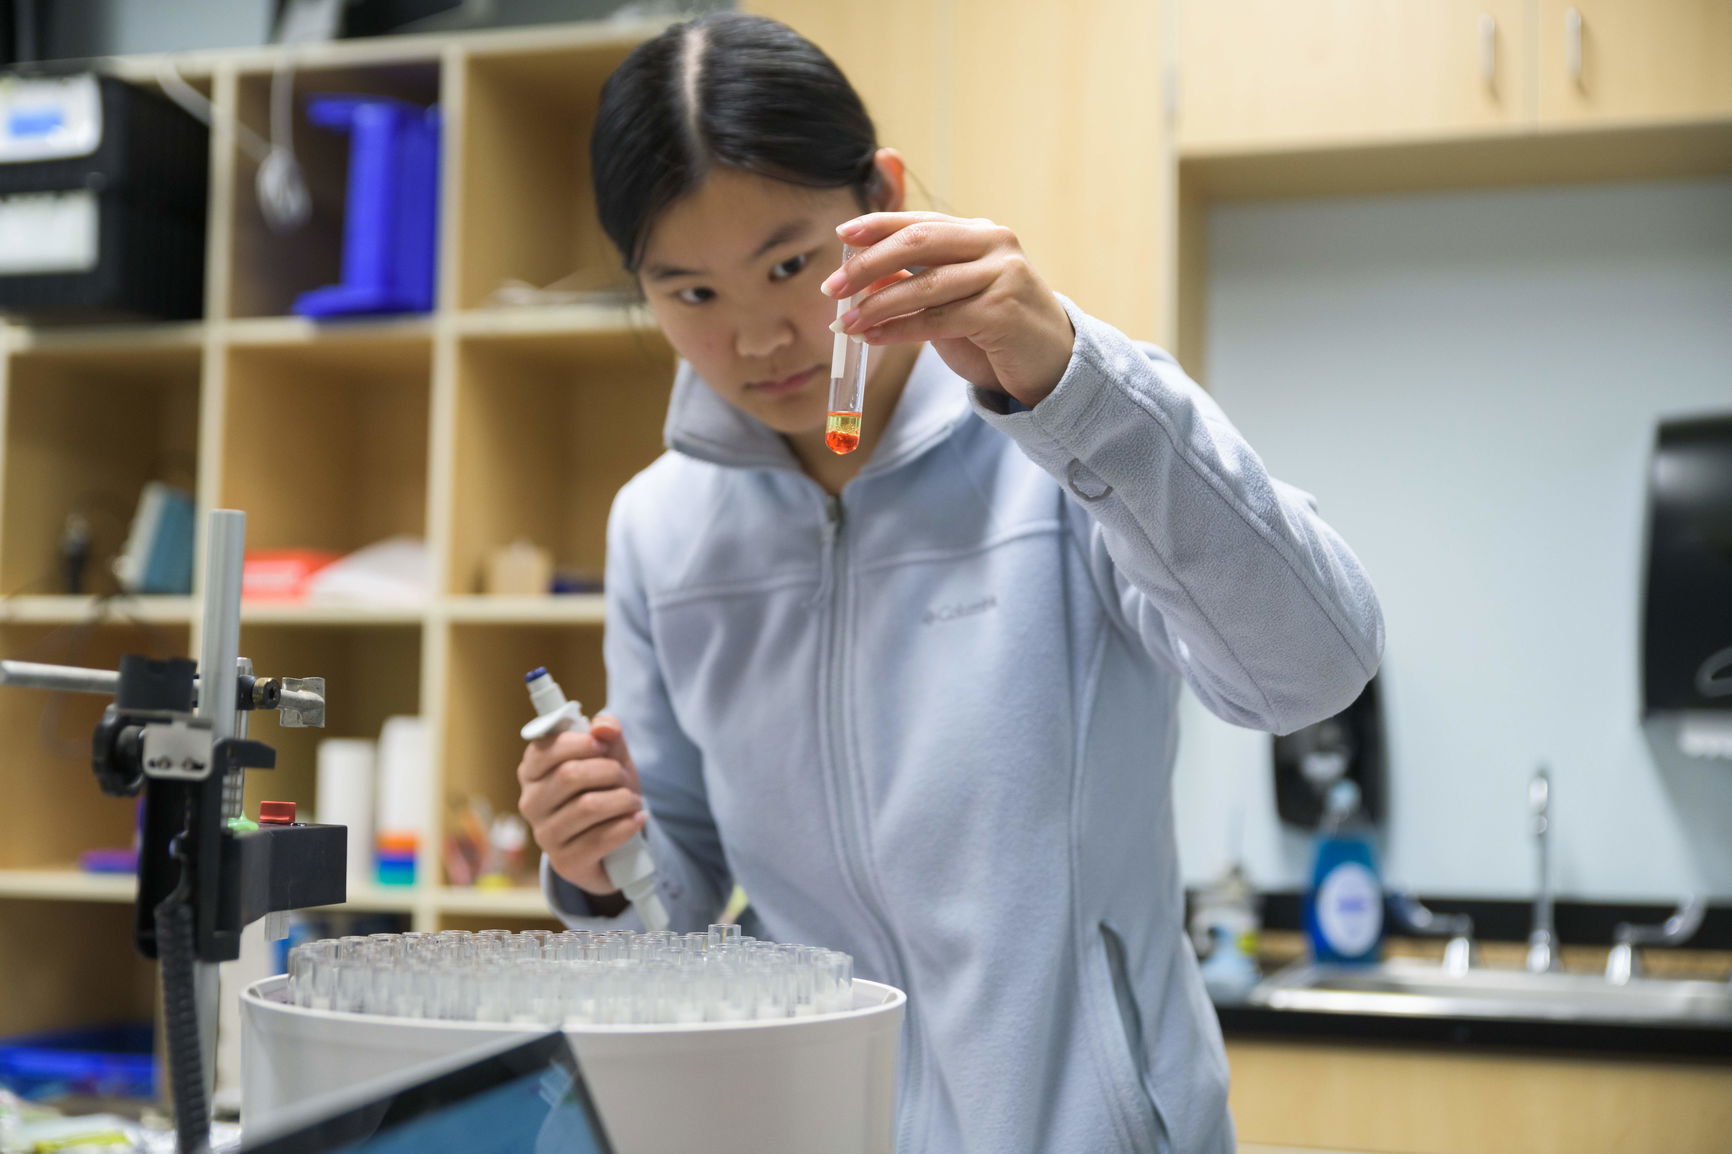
[847, 384]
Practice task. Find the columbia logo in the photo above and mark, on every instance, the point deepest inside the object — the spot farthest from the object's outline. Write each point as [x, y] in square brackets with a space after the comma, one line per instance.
[939, 614]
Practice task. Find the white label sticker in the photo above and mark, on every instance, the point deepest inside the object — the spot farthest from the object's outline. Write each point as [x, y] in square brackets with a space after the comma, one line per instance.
[49, 119]
[1350, 909]
[53, 232]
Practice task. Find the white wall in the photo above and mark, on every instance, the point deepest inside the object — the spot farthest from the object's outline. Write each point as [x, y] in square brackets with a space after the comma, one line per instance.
[1469, 383]
[81, 28]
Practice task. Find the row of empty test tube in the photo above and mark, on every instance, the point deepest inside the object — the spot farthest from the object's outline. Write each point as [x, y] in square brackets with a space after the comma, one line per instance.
[573, 978]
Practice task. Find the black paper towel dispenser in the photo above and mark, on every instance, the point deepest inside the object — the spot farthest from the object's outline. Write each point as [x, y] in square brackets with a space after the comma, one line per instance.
[1310, 760]
[1687, 617]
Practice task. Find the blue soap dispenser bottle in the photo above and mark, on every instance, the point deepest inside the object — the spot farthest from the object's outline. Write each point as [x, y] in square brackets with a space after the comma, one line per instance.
[1344, 906]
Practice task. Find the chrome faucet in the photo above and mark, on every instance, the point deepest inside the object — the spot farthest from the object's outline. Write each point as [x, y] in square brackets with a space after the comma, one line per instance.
[1543, 938]
[1460, 955]
[1623, 963]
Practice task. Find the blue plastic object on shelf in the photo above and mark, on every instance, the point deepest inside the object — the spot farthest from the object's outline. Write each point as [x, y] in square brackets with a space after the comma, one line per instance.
[390, 228]
[105, 1061]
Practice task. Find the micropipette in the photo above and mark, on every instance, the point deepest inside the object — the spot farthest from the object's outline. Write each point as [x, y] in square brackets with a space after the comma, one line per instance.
[629, 867]
[847, 381]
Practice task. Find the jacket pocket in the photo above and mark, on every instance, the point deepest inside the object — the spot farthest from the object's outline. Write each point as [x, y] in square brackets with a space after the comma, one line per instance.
[1127, 1050]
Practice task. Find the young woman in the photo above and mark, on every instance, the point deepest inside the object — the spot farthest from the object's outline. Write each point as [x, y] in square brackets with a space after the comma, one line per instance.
[919, 700]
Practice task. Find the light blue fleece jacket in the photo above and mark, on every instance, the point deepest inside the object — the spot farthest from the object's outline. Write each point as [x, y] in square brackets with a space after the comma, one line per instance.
[932, 722]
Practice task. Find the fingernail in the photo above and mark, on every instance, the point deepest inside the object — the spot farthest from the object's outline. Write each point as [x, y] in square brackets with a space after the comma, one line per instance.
[848, 228]
[835, 281]
[841, 323]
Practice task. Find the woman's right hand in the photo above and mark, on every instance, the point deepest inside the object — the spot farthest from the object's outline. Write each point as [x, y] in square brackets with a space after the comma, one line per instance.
[580, 796]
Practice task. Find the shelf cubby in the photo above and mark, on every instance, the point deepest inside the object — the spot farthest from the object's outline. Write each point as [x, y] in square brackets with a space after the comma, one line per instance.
[553, 424]
[68, 964]
[484, 703]
[371, 672]
[270, 269]
[325, 442]
[54, 809]
[87, 427]
[524, 207]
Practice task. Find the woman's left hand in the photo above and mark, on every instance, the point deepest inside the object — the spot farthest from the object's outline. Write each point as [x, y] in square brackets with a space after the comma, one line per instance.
[976, 298]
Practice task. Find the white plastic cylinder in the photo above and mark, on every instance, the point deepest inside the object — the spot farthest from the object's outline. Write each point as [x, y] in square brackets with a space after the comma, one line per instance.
[405, 778]
[344, 796]
[819, 1083]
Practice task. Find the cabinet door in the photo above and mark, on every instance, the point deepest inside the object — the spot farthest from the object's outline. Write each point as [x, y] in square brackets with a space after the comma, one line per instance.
[1057, 132]
[1048, 119]
[1632, 60]
[1280, 73]
[892, 53]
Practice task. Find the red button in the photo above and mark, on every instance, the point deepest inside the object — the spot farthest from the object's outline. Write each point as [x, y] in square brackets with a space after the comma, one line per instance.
[276, 813]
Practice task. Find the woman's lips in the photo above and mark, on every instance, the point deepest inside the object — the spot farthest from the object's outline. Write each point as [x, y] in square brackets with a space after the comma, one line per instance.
[786, 385]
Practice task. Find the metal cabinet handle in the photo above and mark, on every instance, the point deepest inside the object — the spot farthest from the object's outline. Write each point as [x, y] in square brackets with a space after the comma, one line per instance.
[1488, 49]
[1573, 45]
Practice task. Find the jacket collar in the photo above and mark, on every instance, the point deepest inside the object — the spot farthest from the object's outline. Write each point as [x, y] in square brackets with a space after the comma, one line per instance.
[701, 424]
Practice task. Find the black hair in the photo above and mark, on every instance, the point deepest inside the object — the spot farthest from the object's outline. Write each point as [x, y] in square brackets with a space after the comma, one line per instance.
[726, 90]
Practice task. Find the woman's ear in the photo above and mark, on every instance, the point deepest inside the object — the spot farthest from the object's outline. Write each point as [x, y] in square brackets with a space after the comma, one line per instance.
[890, 183]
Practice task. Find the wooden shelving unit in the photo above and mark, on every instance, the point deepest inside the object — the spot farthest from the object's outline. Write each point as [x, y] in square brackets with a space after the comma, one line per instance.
[469, 428]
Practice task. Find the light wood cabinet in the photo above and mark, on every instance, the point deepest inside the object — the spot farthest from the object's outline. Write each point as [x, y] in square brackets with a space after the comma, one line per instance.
[1274, 73]
[1033, 147]
[1429, 1100]
[1624, 61]
[1048, 119]
[897, 55]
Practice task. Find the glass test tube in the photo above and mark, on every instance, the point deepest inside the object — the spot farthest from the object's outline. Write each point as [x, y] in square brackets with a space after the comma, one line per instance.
[572, 977]
[847, 382]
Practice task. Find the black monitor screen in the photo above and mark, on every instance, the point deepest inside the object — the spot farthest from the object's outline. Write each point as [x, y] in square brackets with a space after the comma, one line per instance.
[529, 1099]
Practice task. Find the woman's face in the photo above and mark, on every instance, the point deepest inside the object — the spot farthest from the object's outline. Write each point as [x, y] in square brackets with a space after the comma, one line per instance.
[731, 272]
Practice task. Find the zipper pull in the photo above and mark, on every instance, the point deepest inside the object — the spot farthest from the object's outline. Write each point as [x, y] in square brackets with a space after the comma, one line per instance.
[832, 518]
[827, 550]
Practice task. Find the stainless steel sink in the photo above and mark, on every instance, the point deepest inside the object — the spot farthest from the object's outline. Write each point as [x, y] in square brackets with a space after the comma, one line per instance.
[1415, 988]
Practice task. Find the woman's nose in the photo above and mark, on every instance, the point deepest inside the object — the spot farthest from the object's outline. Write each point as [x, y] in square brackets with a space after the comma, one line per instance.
[763, 338]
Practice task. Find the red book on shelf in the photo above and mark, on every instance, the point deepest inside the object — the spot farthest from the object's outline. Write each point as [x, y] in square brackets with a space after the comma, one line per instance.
[281, 574]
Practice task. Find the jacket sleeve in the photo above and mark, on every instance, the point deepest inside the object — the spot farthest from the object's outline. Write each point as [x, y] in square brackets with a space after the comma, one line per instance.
[691, 871]
[1208, 561]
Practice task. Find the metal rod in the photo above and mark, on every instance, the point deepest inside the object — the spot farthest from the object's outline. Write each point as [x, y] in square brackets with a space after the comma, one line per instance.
[219, 651]
[64, 678]
[219, 661]
[235, 784]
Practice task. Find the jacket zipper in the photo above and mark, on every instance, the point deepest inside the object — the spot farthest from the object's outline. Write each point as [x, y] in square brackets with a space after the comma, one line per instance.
[853, 834]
